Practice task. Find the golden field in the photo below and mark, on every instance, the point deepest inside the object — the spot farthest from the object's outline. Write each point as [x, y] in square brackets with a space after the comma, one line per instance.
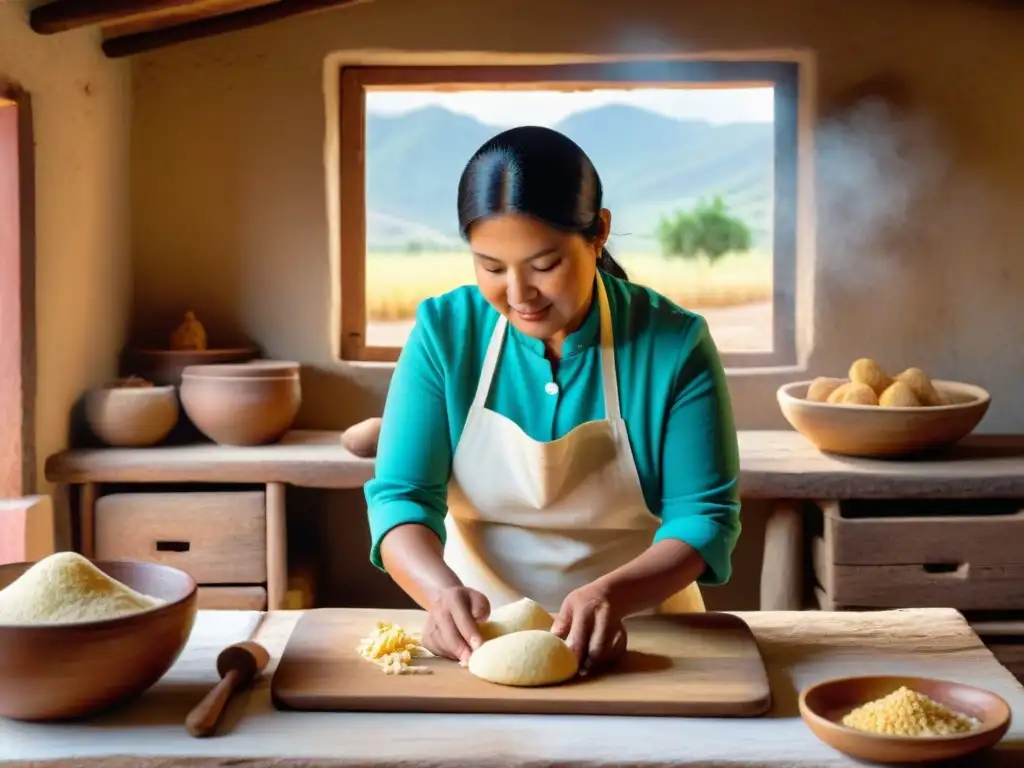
[398, 282]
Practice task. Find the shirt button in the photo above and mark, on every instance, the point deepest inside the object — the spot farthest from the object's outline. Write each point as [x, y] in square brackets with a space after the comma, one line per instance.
[551, 388]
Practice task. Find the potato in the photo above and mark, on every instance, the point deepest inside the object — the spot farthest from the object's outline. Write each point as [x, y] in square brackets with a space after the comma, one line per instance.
[867, 371]
[921, 384]
[853, 393]
[899, 395]
[821, 388]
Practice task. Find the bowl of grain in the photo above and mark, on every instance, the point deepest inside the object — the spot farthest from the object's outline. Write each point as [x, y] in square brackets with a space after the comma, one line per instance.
[870, 413]
[904, 720]
[79, 636]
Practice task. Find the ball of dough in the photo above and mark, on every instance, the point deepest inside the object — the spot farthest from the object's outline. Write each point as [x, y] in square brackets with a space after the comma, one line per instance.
[867, 371]
[899, 395]
[530, 658]
[515, 617]
[853, 393]
[821, 388]
[921, 384]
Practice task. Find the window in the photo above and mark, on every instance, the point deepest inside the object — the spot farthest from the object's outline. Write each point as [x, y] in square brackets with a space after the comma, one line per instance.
[698, 162]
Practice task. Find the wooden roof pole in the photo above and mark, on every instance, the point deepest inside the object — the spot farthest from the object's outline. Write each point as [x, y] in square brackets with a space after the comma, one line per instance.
[62, 15]
[127, 45]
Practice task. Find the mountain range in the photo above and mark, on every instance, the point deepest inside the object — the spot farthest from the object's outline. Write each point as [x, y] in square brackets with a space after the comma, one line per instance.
[650, 165]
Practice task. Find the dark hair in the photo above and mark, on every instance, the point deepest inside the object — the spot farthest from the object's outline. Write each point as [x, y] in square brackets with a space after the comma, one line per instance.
[538, 172]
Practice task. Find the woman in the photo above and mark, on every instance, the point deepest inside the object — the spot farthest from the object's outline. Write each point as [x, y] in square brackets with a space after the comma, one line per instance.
[554, 432]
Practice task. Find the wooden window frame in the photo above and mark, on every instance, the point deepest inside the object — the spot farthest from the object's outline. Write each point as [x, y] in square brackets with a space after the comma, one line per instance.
[782, 76]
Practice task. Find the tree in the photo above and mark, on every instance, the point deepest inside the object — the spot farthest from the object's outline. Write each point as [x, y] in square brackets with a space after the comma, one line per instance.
[708, 229]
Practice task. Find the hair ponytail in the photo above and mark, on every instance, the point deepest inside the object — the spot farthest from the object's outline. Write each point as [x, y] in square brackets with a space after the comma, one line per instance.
[606, 263]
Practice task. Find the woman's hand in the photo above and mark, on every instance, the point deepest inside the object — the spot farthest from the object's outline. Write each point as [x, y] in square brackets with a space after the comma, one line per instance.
[451, 628]
[592, 627]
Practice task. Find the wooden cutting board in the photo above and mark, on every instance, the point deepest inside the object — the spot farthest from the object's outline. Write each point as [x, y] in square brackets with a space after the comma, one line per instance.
[700, 664]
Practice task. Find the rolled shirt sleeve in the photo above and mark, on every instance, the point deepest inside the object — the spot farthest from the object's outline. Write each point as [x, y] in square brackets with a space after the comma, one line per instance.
[700, 460]
[414, 454]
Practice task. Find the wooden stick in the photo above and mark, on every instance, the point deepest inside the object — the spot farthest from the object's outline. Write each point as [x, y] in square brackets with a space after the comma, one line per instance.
[62, 15]
[87, 519]
[126, 45]
[277, 547]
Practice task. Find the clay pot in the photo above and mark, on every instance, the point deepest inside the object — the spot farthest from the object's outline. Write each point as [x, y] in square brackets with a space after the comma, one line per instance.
[245, 404]
[165, 366]
[131, 416]
[56, 671]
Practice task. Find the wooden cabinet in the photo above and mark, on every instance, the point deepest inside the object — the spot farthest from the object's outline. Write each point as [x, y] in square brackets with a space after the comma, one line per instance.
[965, 555]
[217, 538]
[231, 542]
[878, 555]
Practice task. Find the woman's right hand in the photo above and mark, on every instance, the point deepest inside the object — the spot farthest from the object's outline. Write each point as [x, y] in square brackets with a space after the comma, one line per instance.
[451, 629]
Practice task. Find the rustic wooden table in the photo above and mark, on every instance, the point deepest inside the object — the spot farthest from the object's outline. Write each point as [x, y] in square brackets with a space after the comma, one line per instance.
[777, 465]
[799, 649]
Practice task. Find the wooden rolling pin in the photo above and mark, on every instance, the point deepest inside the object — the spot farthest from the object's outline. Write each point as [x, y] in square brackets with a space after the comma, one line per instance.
[237, 665]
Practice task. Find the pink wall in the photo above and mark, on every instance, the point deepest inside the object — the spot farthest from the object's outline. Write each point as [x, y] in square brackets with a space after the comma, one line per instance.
[11, 407]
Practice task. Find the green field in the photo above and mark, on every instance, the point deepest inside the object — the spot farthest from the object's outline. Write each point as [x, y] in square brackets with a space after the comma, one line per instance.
[397, 282]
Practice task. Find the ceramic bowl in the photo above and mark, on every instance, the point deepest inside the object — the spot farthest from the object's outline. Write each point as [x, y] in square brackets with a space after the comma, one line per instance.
[165, 366]
[59, 671]
[823, 705]
[873, 431]
[255, 369]
[131, 416]
[250, 404]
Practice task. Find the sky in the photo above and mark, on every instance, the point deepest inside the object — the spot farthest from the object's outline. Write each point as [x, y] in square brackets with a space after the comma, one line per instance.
[507, 108]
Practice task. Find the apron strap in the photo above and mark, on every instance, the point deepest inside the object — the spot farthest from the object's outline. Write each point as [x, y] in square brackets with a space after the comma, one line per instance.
[483, 387]
[609, 379]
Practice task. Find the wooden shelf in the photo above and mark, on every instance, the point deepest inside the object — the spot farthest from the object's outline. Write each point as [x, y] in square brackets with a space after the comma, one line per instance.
[773, 464]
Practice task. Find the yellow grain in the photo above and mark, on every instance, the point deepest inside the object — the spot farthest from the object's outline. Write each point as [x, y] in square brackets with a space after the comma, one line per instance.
[908, 713]
[392, 649]
[65, 587]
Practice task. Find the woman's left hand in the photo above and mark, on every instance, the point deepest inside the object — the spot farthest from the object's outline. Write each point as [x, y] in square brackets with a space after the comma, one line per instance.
[592, 628]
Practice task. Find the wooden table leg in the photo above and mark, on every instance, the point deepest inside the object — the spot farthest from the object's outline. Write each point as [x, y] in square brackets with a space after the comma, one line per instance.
[277, 547]
[87, 519]
[782, 572]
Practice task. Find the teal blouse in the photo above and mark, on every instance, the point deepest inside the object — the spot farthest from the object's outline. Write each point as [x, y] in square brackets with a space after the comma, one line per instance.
[672, 390]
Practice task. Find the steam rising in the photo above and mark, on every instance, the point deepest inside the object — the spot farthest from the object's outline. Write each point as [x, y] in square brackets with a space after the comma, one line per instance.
[878, 164]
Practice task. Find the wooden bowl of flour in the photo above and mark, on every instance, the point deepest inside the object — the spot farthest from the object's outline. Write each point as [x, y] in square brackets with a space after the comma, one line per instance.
[60, 671]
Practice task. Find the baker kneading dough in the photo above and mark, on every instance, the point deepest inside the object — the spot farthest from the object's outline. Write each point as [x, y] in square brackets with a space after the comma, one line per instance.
[515, 617]
[529, 658]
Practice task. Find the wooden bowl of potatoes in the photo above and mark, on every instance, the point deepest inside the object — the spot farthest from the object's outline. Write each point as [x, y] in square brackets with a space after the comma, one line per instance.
[872, 413]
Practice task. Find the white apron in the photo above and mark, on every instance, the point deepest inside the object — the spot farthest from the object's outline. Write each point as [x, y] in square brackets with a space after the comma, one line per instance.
[540, 519]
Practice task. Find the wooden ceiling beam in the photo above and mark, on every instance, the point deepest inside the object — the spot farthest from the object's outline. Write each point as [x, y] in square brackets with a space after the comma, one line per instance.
[126, 45]
[62, 15]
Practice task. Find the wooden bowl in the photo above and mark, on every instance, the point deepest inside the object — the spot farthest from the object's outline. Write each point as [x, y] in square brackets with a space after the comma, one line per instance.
[59, 671]
[823, 705]
[873, 431]
[131, 416]
[241, 409]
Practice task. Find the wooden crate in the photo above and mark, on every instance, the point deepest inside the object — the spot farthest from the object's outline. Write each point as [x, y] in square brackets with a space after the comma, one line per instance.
[233, 598]
[935, 554]
[218, 538]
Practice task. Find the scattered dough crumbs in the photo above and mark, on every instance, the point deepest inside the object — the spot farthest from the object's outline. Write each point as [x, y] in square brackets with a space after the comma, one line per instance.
[66, 587]
[907, 713]
[392, 649]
